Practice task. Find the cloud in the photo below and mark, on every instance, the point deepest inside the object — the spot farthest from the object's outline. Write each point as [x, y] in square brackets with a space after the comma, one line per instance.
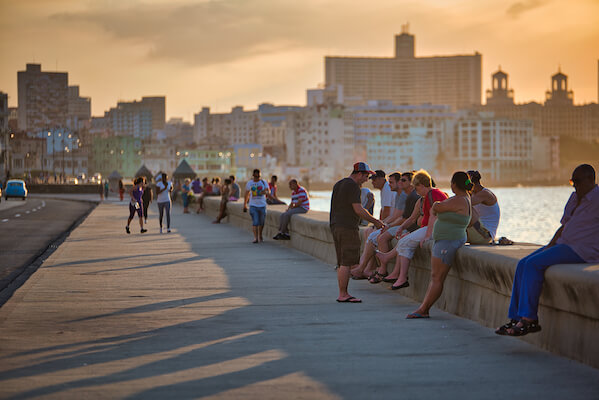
[219, 31]
[521, 7]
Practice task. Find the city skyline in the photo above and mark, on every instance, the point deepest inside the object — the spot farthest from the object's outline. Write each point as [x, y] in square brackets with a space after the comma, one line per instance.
[226, 53]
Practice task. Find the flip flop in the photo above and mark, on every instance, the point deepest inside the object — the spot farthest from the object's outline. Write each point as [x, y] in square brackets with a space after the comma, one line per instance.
[350, 299]
[403, 285]
[416, 315]
[358, 278]
[390, 280]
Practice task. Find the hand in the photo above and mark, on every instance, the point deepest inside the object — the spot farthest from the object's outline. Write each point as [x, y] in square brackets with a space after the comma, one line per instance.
[384, 228]
[379, 224]
[424, 241]
[245, 209]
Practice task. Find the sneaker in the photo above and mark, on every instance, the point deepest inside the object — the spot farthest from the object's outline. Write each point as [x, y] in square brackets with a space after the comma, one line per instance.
[160, 230]
[127, 229]
[143, 231]
[277, 236]
[285, 236]
[168, 231]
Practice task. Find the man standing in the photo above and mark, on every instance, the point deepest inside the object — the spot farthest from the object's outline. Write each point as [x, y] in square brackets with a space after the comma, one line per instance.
[346, 211]
[300, 204]
[256, 191]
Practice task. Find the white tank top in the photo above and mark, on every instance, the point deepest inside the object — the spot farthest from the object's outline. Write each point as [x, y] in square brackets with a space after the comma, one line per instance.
[489, 216]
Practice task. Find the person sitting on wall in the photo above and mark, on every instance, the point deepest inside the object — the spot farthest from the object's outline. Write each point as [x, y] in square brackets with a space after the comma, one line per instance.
[484, 202]
[300, 204]
[575, 242]
[272, 198]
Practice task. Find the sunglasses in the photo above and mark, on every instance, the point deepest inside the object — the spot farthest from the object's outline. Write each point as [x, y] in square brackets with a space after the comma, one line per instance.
[404, 180]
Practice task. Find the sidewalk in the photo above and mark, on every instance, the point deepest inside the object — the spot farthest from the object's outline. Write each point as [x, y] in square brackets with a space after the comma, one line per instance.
[204, 313]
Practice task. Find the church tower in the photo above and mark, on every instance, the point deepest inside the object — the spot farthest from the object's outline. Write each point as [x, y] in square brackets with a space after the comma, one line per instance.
[559, 94]
[500, 94]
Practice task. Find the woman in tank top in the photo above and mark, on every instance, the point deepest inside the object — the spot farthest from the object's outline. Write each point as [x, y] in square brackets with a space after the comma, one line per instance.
[449, 234]
[485, 203]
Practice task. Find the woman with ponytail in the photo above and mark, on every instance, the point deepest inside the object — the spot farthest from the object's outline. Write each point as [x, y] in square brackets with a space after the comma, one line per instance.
[449, 234]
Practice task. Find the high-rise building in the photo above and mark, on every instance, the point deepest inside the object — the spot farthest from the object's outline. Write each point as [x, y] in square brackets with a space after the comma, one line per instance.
[80, 109]
[236, 127]
[137, 118]
[407, 79]
[43, 98]
[500, 148]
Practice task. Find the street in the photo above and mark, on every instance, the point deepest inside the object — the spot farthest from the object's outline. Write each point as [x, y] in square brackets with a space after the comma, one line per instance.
[28, 227]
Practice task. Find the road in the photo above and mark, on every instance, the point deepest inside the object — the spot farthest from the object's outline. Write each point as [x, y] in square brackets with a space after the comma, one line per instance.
[28, 227]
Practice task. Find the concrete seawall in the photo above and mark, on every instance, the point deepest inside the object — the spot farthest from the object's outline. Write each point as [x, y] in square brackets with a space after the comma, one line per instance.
[478, 286]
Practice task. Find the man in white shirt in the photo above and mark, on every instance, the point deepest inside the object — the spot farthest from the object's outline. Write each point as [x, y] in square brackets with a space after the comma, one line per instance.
[163, 199]
[379, 181]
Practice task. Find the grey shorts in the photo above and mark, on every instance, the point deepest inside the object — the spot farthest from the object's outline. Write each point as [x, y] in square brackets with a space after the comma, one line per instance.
[446, 249]
[374, 236]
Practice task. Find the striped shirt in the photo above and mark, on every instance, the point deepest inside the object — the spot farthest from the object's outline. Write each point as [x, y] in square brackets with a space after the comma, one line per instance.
[301, 195]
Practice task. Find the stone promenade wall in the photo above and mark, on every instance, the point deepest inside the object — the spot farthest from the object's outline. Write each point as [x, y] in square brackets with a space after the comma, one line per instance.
[478, 286]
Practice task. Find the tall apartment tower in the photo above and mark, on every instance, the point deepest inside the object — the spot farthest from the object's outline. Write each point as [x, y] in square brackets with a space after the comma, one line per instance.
[43, 98]
[406, 79]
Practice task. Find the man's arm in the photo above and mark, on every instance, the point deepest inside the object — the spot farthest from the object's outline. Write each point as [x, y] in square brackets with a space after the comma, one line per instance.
[556, 236]
[485, 197]
[362, 213]
[246, 198]
[385, 211]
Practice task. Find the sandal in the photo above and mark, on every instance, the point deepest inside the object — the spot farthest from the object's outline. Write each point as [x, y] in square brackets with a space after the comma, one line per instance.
[376, 277]
[526, 328]
[503, 329]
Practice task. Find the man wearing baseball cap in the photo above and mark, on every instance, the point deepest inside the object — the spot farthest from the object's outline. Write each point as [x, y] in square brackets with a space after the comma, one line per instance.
[345, 215]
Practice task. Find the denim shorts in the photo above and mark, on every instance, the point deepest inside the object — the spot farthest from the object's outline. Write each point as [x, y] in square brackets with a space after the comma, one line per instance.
[258, 215]
[446, 249]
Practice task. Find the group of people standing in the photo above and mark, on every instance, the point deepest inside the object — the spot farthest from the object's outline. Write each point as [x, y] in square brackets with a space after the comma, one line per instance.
[140, 197]
[421, 213]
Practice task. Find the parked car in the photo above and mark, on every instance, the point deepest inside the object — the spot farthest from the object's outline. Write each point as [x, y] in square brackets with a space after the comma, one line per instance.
[15, 188]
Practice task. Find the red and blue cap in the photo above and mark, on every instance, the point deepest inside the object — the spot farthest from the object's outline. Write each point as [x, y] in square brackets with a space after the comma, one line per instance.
[362, 167]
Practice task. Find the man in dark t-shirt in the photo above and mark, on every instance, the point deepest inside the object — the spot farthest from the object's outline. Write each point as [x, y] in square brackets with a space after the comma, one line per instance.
[345, 215]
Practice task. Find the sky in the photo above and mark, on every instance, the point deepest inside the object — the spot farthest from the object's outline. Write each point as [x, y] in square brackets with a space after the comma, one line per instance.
[224, 53]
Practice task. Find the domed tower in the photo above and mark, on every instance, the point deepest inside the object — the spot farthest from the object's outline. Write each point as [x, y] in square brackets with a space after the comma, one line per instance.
[500, 94]
[559, 94]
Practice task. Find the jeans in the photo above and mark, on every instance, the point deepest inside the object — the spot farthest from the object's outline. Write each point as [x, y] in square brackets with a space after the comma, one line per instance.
[161, 208]
[258, 215]
[286, 217]
[530, 274]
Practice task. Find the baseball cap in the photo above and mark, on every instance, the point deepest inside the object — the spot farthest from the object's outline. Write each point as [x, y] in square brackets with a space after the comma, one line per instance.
[379, 173]
[362, 167]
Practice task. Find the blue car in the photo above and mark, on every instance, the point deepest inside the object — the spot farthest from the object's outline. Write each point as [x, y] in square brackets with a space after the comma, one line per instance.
[15, 188]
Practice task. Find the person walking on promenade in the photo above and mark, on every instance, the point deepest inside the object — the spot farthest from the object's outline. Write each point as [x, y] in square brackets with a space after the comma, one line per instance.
[224, 199]
[344, 220]
[273, 196]
[300, 204]
[186, 195]
[256, 191]
[449, 235]
[135, 204]
[121, 189]
[407, 245]
[485, 203]
[147, 198]
[106, 188]
[163, 198]
[575, 242]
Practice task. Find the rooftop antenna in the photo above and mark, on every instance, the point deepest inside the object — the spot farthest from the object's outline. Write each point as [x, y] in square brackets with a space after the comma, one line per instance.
[405, 28]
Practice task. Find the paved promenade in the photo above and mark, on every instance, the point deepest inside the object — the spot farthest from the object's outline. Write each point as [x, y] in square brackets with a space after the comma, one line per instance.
[204, 313]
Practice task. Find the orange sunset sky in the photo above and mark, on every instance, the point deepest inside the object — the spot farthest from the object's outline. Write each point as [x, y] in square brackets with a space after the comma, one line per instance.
[222, 53]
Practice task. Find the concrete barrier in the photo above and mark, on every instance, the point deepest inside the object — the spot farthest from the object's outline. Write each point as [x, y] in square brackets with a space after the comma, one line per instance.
[478, 286]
